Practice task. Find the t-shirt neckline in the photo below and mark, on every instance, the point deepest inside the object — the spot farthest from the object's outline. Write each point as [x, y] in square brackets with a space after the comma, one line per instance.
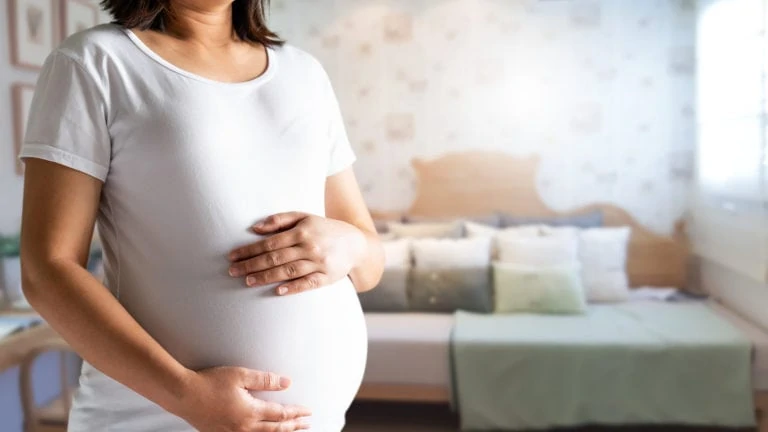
[264, 77]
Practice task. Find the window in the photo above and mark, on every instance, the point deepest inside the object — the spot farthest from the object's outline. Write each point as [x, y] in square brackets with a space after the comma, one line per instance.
[730, 206]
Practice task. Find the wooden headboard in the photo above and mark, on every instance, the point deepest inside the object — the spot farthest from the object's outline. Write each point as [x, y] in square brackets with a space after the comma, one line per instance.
[480, 183]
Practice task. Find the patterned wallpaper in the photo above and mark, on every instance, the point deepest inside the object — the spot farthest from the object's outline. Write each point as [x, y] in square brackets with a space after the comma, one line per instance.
[603, 90]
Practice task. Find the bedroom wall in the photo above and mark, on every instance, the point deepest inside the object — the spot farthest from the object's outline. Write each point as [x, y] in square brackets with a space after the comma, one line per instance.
[10, 183]
[745, 295]
[602, 89]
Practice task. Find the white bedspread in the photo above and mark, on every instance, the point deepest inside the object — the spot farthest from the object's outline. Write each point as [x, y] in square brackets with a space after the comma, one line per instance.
[409, 348]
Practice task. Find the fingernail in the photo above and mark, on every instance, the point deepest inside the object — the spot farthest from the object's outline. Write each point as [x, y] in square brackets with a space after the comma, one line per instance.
[258, 225]
[250, 280]
[232, 256]
[284, 382]
[282, 290]
[233, 271]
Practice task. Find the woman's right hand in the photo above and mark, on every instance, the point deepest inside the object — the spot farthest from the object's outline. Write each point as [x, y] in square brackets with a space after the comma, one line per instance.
[218, 400]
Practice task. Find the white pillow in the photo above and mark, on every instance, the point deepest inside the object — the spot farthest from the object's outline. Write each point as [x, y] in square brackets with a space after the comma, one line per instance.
[387, 236]
[426, 229]
[397, 253]
[558, 250]
[603, 255]
[606, 287]
[451, 253]
[474, 229]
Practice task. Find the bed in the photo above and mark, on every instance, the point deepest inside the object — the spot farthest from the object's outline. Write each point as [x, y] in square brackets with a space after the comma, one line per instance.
[409, 356]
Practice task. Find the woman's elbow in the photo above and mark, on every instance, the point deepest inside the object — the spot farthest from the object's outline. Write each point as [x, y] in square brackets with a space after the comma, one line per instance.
[37, 273]
[31, 277]
[375, 268]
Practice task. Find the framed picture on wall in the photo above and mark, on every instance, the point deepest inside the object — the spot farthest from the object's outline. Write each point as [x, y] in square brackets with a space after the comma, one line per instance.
[22, 100]
[32, 34]
[77, 15]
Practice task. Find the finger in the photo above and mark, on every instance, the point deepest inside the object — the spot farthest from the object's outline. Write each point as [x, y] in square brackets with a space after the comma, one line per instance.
[285, 272]
[269, 244]
[279, 221]
[267, 260]
[259, 380]
[275, 412]
[306, 283]
[302, 425]
[288, 426]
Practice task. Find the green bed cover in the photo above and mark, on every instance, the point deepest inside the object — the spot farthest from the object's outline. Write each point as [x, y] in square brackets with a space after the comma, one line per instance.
[631, 363]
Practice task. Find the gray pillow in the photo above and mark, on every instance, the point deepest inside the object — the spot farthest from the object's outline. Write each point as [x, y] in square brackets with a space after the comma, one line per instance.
[448, 290]
[381, 225]
[390, 294]
[586, 220]
[493, 219]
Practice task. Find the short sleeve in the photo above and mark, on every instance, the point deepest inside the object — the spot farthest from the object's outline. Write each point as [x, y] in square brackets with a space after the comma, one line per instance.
[67, 121]
[341, 153]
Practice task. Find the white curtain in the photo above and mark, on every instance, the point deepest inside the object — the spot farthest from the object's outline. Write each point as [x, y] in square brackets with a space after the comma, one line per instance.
[730, 204]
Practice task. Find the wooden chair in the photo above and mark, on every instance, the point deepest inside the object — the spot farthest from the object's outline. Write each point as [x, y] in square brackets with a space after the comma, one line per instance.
[52, 417]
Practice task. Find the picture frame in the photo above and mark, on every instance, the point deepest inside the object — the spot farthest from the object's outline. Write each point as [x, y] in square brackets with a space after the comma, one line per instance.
[76, 16]
[22, 101]
[32, 34]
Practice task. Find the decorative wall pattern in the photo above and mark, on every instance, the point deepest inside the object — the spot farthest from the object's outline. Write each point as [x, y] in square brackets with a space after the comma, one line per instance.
[603, 90]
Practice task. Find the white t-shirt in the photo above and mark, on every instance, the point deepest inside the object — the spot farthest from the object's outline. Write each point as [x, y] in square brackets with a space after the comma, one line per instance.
[188, 165]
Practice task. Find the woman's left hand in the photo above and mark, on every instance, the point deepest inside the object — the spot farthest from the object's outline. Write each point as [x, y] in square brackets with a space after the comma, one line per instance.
[302, 250]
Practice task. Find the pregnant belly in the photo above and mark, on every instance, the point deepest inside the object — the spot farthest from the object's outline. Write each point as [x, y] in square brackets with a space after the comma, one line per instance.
[316, 338]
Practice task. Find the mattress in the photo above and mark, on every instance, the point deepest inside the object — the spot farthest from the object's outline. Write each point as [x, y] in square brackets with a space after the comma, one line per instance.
[414, 348]
[409, 348]
[759, 338]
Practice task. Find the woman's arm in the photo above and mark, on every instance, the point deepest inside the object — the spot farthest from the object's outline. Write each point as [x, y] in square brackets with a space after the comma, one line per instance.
[344, 202]
[58, 216]
[59, 210]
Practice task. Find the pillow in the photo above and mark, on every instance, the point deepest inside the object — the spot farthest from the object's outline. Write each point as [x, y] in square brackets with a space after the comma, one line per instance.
[426, 230]
[493, 219]
[448, 290]
[553, 290]
[382, 226]
[473, 229]
[390, 295]
[397, 253]
[603, 255]
[587, 220]
[479, 230]
[387, 236]
[606, 287]
[436, 253]
[539, 251]
[548, 230]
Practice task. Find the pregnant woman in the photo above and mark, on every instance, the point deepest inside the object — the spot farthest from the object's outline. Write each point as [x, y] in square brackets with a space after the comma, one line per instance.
[213, 159]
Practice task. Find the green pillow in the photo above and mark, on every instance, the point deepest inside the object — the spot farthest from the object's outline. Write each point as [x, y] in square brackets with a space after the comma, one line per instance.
[551, 290]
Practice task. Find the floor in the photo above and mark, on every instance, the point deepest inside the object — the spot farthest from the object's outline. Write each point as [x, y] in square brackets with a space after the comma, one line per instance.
[380, 417]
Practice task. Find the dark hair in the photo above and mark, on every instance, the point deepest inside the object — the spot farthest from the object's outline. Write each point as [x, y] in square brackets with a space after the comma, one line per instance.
[248, 17]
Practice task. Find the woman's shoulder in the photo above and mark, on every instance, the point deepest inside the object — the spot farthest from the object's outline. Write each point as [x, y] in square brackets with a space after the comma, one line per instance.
[93, 44]
[297, 59]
